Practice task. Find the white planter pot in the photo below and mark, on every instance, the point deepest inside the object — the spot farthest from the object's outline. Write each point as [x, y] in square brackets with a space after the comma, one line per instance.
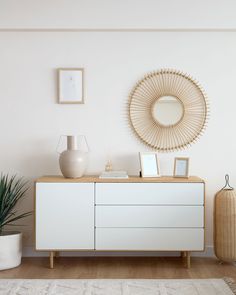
[10, 249]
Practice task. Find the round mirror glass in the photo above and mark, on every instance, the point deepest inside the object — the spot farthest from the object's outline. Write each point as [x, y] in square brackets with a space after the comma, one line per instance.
[167, 110]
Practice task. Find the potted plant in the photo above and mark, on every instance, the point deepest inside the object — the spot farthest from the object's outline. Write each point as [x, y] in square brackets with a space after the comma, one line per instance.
[12, 190]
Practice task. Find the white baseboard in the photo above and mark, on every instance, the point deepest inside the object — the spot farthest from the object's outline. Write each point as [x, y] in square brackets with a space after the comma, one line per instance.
[30, 252]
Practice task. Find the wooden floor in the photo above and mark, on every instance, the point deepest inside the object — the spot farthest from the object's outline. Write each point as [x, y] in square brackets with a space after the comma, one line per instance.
[116, 267]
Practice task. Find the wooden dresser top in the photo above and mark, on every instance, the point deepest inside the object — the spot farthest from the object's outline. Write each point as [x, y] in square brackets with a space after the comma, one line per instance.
[131, 179]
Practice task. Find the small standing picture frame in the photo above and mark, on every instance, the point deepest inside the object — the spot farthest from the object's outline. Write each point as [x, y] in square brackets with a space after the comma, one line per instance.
[149, 165]
[71, 85]
[181, 167]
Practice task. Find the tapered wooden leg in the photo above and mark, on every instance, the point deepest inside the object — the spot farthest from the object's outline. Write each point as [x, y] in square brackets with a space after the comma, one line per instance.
[51, 259]
[188, 259]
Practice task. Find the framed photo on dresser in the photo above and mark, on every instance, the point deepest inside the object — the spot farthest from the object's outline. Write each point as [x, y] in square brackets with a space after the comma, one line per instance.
[149, 165]
[181, 167]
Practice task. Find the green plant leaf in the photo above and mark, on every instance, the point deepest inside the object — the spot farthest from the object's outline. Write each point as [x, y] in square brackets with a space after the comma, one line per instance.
[12, 190]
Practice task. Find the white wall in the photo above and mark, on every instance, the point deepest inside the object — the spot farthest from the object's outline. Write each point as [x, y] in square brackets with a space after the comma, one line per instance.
[163, 14]
[31, 121]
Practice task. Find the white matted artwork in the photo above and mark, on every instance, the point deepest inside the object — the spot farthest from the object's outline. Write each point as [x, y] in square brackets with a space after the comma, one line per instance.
[181, 167]
[70, 84]
[149, 165]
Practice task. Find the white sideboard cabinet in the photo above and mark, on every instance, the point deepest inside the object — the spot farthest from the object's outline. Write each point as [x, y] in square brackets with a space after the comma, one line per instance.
[134, 214]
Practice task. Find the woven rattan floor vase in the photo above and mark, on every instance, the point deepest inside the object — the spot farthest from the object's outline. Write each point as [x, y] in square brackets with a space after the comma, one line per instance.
[225, 224]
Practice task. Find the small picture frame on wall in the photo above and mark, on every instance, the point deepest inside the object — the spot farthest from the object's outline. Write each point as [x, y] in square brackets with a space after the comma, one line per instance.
[181, 167]
[71, 85]
[149, 165]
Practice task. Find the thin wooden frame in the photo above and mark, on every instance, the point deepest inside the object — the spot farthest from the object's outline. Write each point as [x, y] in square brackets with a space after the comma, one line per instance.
[77, 86]
[148, 91]
[186, 174]
[155, 163]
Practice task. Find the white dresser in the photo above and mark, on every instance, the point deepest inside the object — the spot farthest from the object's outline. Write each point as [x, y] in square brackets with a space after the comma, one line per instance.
[135, 214]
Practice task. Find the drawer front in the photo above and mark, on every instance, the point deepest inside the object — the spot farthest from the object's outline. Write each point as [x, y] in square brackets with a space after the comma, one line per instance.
[150, 193]
[149, 239]
[149, 216]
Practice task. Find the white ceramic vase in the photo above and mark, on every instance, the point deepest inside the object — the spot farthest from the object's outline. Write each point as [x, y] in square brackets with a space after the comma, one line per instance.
[10, 249]
[73, 162]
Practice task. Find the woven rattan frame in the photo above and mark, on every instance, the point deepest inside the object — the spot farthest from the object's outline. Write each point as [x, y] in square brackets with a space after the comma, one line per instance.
[161, 83]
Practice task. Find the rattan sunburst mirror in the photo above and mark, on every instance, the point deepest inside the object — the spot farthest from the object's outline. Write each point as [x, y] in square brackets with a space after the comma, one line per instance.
[168, 110]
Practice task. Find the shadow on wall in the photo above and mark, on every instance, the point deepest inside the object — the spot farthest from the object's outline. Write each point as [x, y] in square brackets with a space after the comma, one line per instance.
[37, 164]
[128, 162]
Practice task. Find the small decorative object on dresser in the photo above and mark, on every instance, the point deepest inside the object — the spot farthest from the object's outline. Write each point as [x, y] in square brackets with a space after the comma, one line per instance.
[114, 174]
[70, 85]
[181, 167]
[149, 165]
[12, 190]
[108, 166]
[225, 223]
[73, 161]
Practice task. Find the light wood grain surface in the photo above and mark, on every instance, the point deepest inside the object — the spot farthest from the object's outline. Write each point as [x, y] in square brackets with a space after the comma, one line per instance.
[120, 268]
[95, 178]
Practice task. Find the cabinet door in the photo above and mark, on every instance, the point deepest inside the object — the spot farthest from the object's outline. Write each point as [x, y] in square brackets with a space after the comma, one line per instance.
[64, 216]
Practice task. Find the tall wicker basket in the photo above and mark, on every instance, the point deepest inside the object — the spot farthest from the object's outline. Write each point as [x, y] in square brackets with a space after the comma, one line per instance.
[225, 223]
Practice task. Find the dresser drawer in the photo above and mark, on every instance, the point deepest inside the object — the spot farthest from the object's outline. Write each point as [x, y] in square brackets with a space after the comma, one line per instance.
[149, 216]
[152, 239]
[150, 193]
